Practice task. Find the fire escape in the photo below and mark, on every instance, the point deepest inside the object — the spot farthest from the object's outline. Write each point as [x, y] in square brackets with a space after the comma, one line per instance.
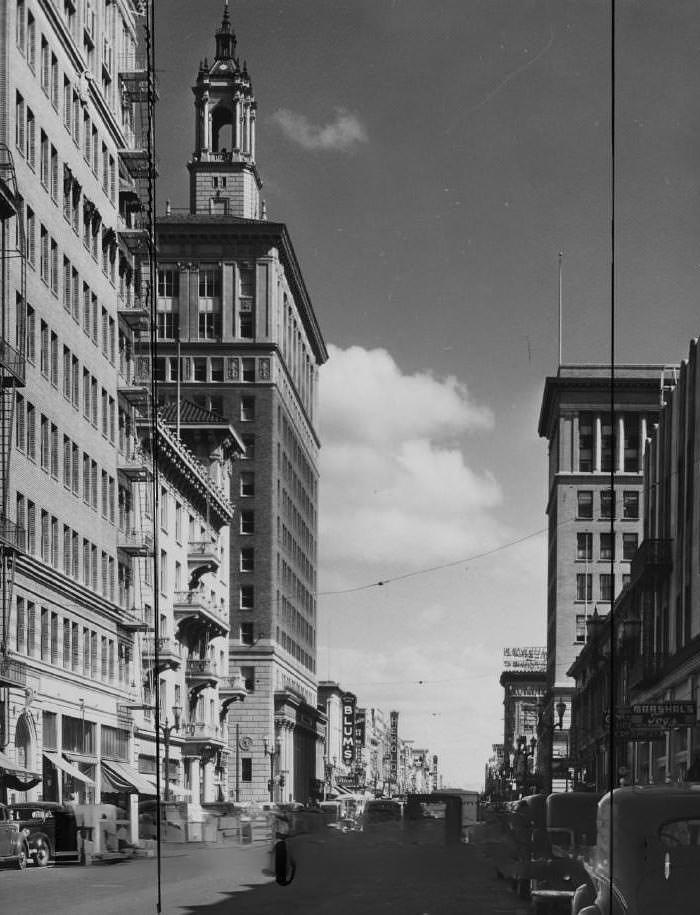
[12, 376]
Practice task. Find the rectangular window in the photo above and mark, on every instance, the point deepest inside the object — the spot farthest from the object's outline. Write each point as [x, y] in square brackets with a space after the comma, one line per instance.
[630, 542]
[580, 628]
[247, 633]
[168, 283]
[585, 504]
[247, 559]
[248, 369]
[209, 282]
[20, 631]
[247, 409]
[247, 597]
[247, 483]
[630, 505]
[31, 431]
[584, 586]
[607, 585]
[44, 254]
[54, 359]
[44, 159]
[31, 138]
[209, 326]
[167, 325]
[607, 546]
[607, 444]
[584, 546]
[607, 504]
[632, 433]
[246, 769]
[54, 638]
[20, 123]
[53, 167]
[247, 525]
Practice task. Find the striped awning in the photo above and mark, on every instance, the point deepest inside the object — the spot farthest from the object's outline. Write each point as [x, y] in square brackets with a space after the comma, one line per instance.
[60, 763]
[124, 779]
[17, 777]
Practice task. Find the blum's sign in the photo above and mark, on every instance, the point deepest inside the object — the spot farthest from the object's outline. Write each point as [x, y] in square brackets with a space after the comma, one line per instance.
[348, 701]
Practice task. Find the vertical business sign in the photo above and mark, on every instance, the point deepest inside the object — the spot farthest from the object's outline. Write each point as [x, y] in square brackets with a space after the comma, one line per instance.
[348, 703]
[359, 732]
[435, 773]
[393, 746]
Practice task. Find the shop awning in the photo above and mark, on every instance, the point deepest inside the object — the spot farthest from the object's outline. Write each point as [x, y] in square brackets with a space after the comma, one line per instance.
[60, 763]
[122, 778]
[17, 777]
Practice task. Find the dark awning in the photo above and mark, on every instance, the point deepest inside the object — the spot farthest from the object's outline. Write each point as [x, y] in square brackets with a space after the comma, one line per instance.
[17, 777]
[120, 777]
[60, 763]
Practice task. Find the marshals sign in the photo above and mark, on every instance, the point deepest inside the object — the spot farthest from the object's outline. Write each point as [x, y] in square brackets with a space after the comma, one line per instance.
[650, 720]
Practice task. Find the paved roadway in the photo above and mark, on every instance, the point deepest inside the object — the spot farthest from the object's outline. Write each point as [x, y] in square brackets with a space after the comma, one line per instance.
[353, 874]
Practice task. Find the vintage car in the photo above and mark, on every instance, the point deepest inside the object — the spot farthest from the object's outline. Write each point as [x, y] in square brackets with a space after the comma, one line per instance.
[523, 820]
[14, 848]
[50, 829]
[558, 850]
[652, 864]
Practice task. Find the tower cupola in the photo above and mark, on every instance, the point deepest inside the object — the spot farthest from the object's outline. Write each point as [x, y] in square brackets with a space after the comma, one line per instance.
[224, 178]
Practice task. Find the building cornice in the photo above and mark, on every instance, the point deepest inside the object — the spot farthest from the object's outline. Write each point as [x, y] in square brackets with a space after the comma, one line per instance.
[176, 227]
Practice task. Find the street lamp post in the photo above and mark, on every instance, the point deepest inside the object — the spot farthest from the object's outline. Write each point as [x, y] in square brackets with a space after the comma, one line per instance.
[167, 731]
[273, 751]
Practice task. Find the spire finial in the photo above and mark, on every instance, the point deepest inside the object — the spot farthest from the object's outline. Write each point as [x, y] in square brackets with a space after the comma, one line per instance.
[225, 37]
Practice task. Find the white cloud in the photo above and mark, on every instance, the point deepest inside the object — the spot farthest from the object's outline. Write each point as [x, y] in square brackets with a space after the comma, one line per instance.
[341, 134]
[396, 490]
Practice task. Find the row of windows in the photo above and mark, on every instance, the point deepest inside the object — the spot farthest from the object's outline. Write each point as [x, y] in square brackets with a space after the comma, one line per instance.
[96, 236]
[295, 551]
[292, 585]
[607, 505]
[606, 551]
[211, 368]
[210, 303]
[295, 650]
[291, 617]
[62, 459]
[63, 642]
[631, 444]
[61, 547]
[606, 586]
[82, 130]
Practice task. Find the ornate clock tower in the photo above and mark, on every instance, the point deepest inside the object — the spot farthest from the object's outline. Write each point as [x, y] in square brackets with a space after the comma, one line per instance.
[224, 179]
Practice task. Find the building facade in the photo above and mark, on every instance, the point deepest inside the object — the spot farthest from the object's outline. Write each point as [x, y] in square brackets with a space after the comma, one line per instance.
[237, 335]
[647, 653]
[588, 558]
[114, 550]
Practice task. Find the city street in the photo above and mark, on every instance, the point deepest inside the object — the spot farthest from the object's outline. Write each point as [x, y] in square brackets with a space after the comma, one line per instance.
[355, 873]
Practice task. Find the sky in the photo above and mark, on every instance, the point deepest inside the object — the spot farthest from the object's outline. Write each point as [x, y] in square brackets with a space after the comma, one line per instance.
[430, 159]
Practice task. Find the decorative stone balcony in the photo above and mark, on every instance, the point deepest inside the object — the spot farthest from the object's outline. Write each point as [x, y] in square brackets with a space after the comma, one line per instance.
[13, 672]
[231, 689]
[133, 309]
[169, 652]
[135, 466]
[202, 552]
[200, 673]
[197, 735]
[135, 542]
[197, 618]
[133, 388]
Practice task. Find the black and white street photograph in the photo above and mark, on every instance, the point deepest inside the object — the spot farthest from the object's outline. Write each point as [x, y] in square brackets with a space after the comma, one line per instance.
[349, 457]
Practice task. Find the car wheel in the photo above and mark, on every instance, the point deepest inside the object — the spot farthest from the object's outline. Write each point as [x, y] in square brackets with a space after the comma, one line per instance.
[42, 852]
[22, 857]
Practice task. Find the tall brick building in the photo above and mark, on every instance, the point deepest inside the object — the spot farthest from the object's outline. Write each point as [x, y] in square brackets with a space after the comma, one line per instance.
[114, 590]
[237, 335]
[587, 563]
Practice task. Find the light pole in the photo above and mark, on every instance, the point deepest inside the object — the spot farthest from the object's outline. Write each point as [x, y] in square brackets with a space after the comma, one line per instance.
[272, 749]
[167, 730]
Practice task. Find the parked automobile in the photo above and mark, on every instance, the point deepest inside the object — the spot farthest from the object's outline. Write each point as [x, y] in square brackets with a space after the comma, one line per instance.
[513, 861]
[654, 861]
[558, 850]
[14, 848]
[50, 829]
[382, 812]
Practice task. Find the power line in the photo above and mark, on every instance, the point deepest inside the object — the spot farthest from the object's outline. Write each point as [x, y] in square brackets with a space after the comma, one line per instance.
[444, 565]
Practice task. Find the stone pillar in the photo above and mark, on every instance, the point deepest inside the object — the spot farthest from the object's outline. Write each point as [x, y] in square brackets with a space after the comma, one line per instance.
[252, 134]
[597, 446]
[209, 780]
[642, 441]
[206, 125]
[620, 443]
[194, 780]
[237, 123]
